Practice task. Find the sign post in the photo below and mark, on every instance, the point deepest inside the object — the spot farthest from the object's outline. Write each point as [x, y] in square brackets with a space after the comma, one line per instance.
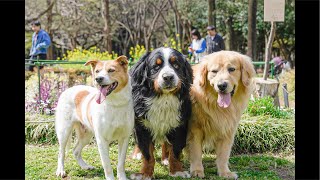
[273, 11]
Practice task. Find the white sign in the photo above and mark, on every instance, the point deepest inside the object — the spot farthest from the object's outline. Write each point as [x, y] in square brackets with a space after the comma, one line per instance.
[274, 10]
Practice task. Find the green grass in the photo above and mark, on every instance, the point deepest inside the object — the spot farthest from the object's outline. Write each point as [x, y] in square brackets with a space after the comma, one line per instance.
[41, 163]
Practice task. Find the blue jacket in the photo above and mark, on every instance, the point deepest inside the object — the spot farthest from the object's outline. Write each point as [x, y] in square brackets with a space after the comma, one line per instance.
[201, 49]
[42, 44]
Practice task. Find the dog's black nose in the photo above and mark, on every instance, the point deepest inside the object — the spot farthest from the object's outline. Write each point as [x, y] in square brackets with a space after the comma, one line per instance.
[167, 77]
[99, 79]
[222, 86]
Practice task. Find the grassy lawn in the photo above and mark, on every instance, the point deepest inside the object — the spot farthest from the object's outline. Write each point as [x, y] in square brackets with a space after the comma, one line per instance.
[41, 163]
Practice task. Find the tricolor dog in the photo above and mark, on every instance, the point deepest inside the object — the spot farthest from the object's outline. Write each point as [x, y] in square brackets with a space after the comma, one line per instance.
[104, 111]
[160, 85]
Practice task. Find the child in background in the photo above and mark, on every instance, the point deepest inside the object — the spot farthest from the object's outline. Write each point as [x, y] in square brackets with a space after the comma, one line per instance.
[197, 47]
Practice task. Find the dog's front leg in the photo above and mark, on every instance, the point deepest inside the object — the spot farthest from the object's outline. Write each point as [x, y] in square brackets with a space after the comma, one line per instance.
[194, 149]
[177, 139]
[122, 151]
[223, 151]
[103, 147]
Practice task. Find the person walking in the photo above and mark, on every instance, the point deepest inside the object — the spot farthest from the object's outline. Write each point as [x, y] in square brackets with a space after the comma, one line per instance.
[40, 43]
[197, 47]
[214, 41]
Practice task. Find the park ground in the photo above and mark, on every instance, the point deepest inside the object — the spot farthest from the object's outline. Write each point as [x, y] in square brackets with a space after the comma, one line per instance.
[41, 163]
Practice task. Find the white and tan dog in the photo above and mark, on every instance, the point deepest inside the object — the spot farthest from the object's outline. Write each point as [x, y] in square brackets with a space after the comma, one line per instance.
[105, 112]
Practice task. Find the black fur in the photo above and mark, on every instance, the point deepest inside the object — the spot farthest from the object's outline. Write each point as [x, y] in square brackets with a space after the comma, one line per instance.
[143, 74]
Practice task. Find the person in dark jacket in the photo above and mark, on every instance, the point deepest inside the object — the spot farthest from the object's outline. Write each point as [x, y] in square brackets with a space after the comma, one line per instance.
[40, 43]
[214, 40]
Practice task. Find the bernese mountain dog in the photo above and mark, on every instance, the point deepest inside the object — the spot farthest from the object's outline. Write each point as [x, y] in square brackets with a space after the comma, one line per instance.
[161, 82]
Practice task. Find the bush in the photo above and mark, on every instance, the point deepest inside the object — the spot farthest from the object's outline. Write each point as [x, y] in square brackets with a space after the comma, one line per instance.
[51, 85]
[172, 43]
[264, 106]
[264, 134]
[136, 53]
[40, 133]
[255, 134]
[79, 54]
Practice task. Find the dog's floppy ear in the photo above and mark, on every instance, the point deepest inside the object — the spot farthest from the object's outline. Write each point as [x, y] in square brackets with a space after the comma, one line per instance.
[138, 71]
[188, 74]
[247, 70]
[123, 61]
[93, 64]
[203, 74]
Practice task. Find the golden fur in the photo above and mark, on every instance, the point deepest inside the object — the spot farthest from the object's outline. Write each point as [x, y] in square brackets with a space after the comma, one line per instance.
[212, 126]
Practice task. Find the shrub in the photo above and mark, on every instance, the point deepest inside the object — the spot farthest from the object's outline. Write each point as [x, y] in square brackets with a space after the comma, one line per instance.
[79, 54]
[40, 133]
[136, 52]
[264, 134]
[172, 43]
[51, 85]
[255, 134]
[264, 106]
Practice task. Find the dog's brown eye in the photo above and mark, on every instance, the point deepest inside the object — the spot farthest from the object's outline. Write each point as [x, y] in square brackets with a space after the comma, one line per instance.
[111, 70]
[97, 71]
[231, 69]
[214, 71]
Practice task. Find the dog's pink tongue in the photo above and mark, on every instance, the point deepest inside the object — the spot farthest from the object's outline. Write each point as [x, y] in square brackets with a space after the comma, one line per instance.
[101, 96]
[224, 100]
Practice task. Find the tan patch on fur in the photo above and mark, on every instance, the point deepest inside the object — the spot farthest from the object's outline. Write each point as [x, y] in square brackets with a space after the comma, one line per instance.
[158, 61]
[78, 102]
[175, 164]
[173, 58]
[165, 152]
[89, 116]
[148, 166]
[156, 86]
[135, 151]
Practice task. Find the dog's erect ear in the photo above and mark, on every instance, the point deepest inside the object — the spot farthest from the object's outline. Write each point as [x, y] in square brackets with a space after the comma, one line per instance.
[138, 71]
[247, 70]
[93, 64]
[203, 74]
[122, 60]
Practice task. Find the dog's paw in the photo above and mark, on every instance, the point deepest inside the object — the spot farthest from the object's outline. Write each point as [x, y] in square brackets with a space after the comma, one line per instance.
[229, 175]
[139, 176]
[87, 167]
[61, 173]
[122, 176]
[183, 174]
[197, 173]
[165, 162]
[137, 156]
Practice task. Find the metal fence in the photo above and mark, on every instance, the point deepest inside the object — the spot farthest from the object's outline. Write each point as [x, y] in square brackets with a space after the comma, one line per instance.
[38, 63]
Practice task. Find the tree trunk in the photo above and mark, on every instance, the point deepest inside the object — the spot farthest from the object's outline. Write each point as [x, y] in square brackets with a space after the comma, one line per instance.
[252, 32]
[230, 42]
[265, 88]
[268, 50]
[49, 29]
[106, 29]
[211, 12]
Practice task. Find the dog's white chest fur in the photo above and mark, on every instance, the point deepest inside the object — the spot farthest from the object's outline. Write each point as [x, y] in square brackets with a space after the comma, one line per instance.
[163, 115]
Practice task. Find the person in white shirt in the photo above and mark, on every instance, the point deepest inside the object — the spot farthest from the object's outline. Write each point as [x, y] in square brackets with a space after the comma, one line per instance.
[197, 47]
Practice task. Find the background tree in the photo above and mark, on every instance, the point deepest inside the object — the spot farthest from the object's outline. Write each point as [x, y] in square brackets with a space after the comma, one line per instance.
[252, 31]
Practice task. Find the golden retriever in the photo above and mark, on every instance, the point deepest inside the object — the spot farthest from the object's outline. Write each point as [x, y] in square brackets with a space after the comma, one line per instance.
[220, 93]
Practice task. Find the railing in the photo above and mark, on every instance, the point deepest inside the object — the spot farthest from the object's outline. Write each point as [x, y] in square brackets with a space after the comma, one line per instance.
[38, 63]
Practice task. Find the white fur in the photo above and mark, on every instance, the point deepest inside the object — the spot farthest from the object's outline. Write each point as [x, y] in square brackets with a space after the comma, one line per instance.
[112, 120]
[163, 115]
